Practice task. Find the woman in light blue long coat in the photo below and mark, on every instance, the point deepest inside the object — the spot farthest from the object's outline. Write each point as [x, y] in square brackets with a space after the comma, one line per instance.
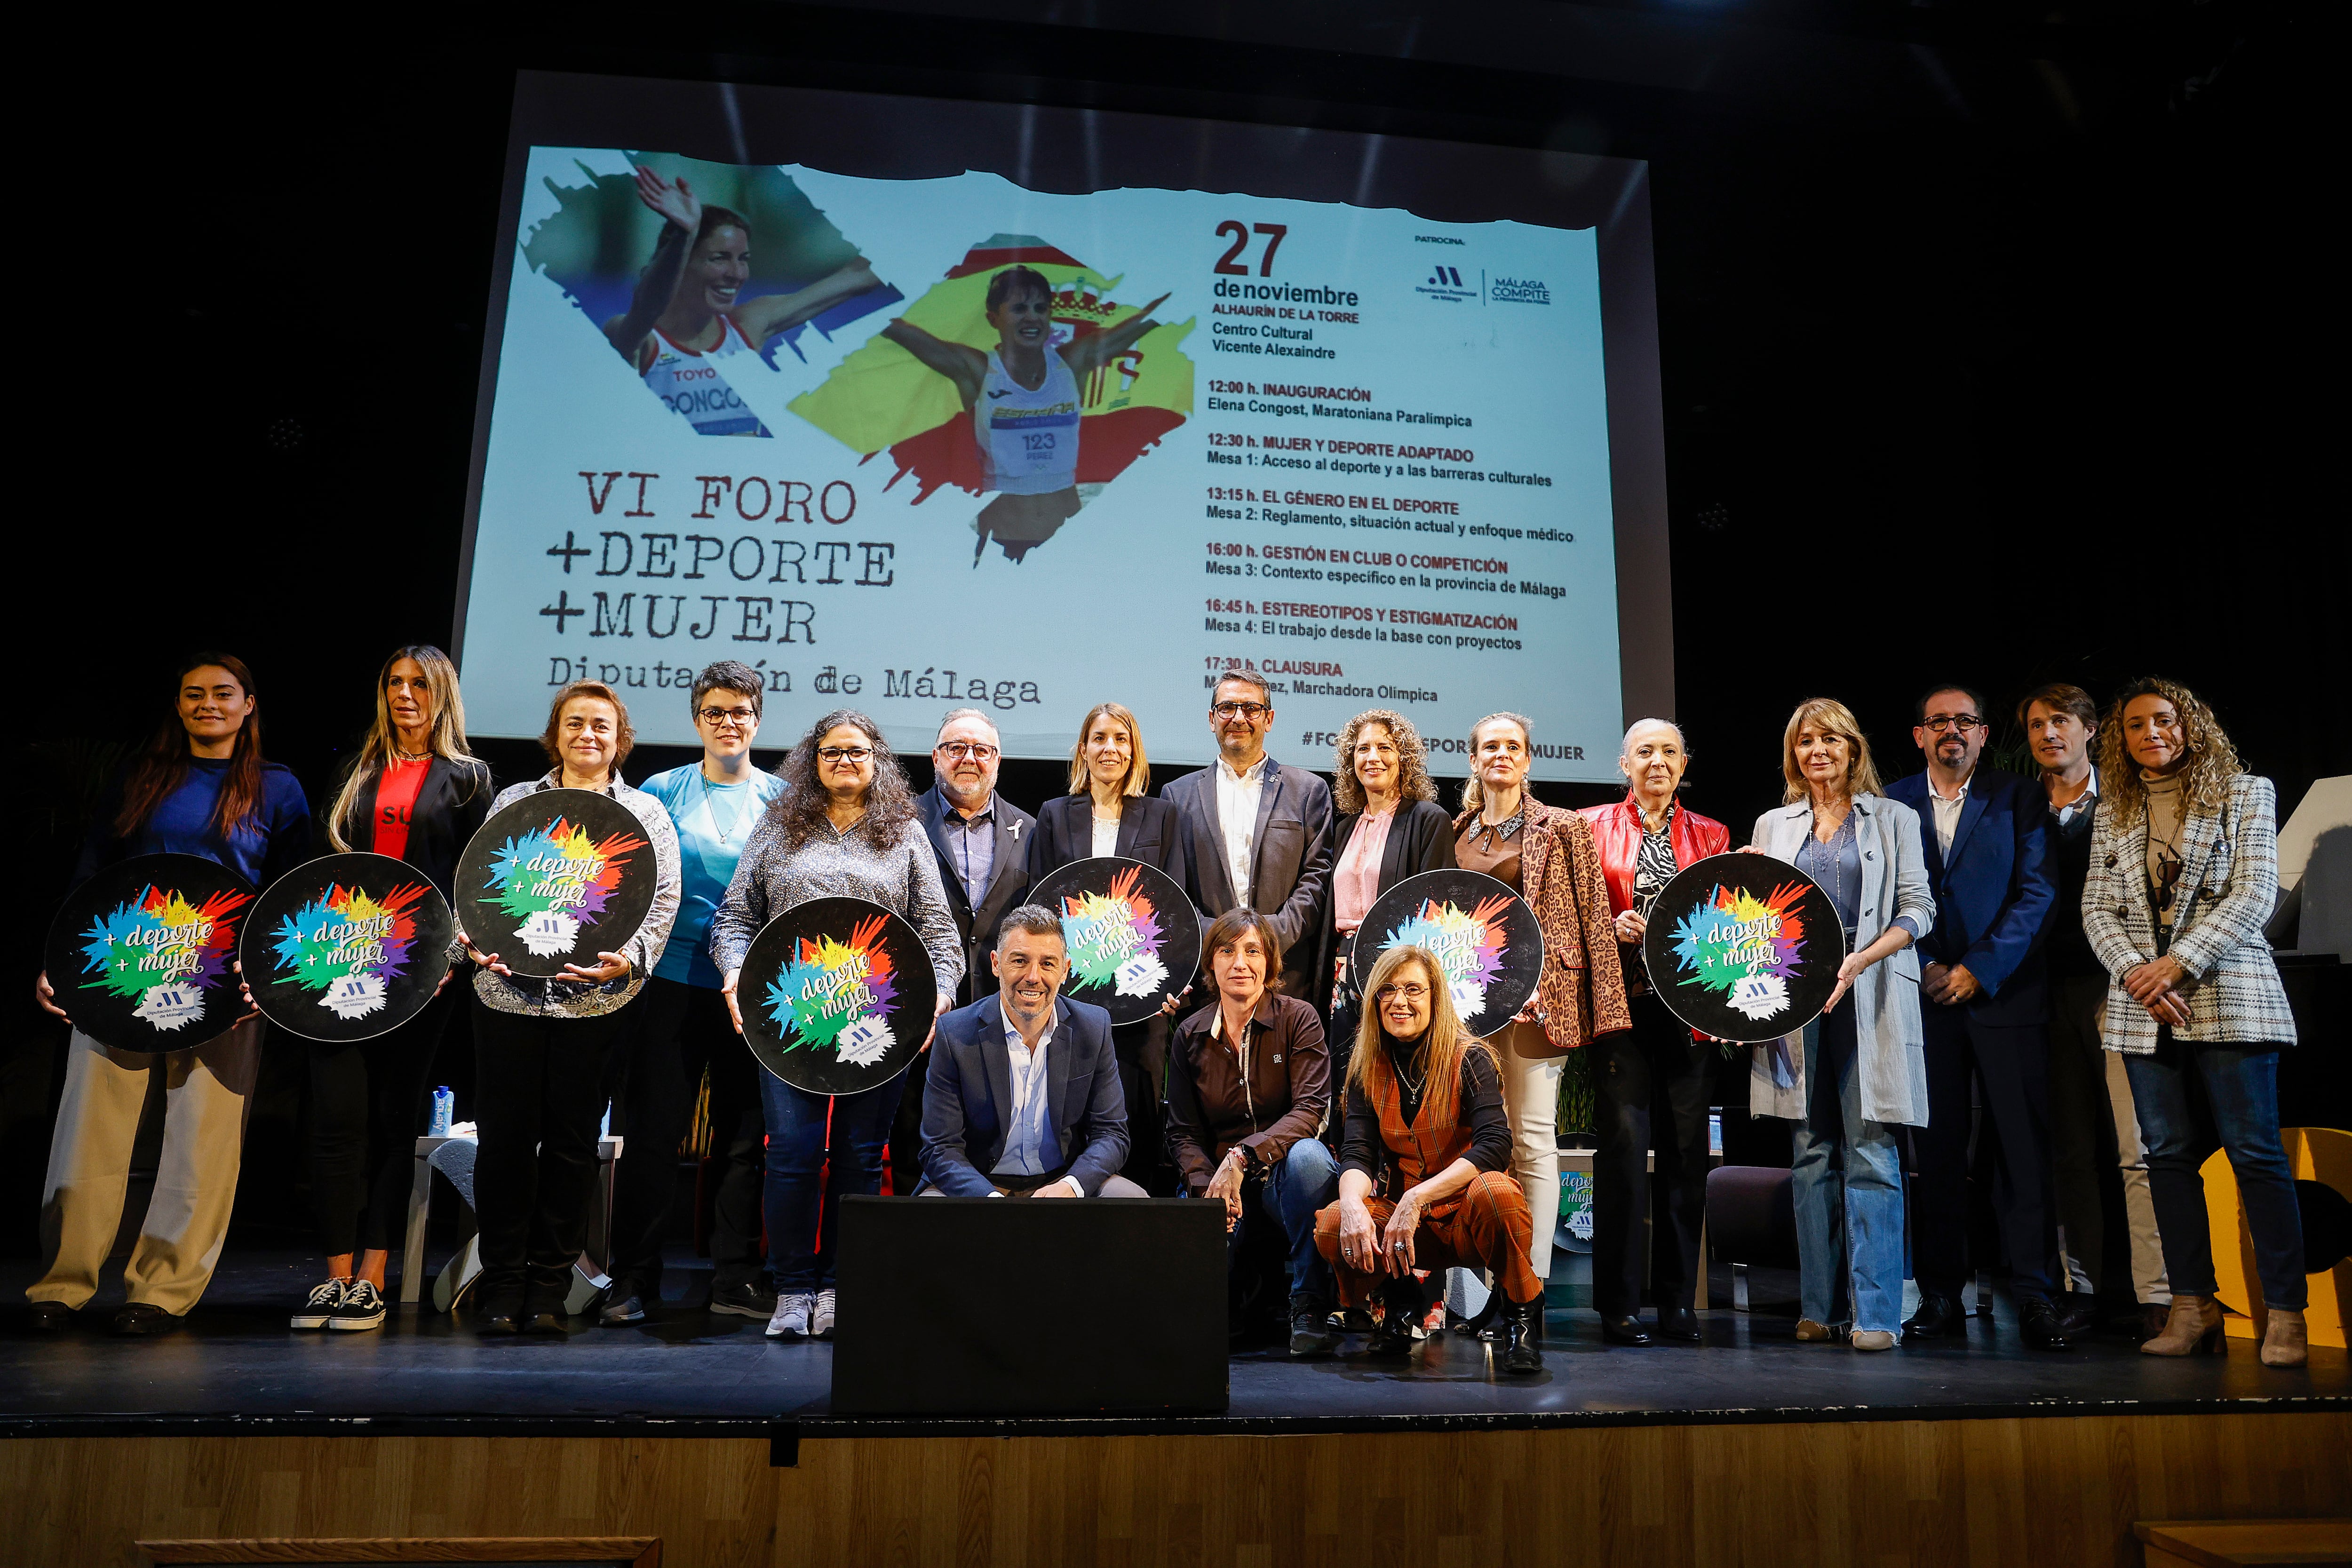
[1859, 1071]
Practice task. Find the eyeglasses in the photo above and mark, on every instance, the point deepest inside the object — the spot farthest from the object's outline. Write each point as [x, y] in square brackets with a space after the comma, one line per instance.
[1936, 724]
[960, 751]
[845, 753]
[1405, 993]
[715, 717]
[1241, 709]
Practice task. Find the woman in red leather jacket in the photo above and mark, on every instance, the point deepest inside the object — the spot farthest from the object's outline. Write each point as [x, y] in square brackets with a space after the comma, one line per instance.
[1653, 1080]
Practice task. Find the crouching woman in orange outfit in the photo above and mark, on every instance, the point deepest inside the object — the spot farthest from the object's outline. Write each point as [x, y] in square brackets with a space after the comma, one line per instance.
[1425, 1164]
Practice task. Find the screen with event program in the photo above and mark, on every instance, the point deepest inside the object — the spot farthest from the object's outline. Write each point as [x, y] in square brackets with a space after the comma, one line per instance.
[914, 403]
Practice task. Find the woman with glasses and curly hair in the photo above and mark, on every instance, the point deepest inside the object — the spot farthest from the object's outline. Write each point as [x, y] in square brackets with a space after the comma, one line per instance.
[1390, 827]
[844, 827]
[1425, 1166]
[2184, 873]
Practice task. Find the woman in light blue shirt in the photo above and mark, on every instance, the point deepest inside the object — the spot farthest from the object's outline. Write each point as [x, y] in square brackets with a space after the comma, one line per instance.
[683, 1026]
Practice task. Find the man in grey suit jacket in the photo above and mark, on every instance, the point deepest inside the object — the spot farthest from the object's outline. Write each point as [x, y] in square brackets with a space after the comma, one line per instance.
[1261, 831]
[1022, 1098]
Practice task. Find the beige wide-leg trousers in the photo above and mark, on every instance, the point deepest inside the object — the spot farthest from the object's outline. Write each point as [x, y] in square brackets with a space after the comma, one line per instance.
[1531, 1101]
[207, 1091]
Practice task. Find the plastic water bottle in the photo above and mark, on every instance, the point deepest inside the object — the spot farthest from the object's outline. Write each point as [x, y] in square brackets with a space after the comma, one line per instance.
[444, 1109]
[1714, 1132]
[605, 1130]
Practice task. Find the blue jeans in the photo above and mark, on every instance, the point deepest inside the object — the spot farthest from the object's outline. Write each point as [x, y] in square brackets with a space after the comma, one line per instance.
[1847, 1183]
[800, 1199]
[2194, 1098]
[1293, 1191]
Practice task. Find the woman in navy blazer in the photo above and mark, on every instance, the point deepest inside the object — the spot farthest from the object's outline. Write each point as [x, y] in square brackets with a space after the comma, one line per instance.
[1107, 813]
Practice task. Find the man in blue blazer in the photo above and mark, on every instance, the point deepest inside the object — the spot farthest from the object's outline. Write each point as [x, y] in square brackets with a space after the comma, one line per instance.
[1022, 1097]
[1985, 1007]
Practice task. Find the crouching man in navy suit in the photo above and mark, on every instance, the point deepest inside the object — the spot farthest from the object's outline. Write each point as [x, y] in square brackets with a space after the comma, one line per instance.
[1022, 1097]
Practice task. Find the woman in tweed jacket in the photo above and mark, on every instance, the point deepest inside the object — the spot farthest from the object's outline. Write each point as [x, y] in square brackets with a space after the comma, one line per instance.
[844, 827]
[2184, 873]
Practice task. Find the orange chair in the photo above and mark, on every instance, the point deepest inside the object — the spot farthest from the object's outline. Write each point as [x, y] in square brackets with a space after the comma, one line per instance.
[2321, 1154]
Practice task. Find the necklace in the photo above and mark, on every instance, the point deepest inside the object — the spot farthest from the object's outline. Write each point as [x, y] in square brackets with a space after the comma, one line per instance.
[710, 804]
[1413, 1085]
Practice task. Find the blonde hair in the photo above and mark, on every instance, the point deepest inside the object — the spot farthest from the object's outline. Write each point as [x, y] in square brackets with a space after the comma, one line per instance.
[1828, 713]
[445, 739]
[1412, 761]
[1473, 797]
[1139, 767]
[1444, 1045]
[2204, 778]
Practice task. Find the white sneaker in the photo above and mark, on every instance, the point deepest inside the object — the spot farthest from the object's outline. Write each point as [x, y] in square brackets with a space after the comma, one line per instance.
[792, 1316]
[320, 1305]
[821, 1321]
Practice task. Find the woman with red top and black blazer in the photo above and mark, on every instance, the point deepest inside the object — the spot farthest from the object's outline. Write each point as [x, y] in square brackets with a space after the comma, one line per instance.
[1651, 1082]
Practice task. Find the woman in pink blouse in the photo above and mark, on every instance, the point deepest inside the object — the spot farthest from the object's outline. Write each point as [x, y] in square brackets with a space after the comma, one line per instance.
[1389, 827]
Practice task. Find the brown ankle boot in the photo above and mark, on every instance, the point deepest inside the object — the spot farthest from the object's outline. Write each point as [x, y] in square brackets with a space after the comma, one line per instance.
[2194, 1324]
[2283, 1341]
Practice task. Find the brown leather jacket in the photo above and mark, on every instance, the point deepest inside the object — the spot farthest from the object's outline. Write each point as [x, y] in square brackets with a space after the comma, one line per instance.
[1583, 990]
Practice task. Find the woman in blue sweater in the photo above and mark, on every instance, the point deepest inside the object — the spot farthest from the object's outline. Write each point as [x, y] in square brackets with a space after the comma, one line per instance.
[200, 787]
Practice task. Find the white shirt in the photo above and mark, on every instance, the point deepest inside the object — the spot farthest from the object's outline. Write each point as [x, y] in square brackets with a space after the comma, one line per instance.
[2086, 800]
[1106, 835]
[1028, 1083]
[1946, 814]
[1238, 798]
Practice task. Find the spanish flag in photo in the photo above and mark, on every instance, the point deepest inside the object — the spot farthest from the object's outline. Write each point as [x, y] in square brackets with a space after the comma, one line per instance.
[881, 397]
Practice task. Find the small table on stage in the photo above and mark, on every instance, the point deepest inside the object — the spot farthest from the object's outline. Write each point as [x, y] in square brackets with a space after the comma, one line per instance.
[420, 1208]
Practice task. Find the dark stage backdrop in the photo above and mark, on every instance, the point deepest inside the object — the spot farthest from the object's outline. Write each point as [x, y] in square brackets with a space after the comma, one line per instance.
[1983, 341]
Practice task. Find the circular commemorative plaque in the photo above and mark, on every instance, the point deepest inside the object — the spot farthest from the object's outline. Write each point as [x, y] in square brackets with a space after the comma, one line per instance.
[836, 995]
[139, 956]
[1134, 939]
[347, 947]
[1743, 947]
[556, 878]
[1482, 933]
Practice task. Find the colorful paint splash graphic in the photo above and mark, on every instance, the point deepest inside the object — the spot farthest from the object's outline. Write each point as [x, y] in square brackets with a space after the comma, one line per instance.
[164, 951]
[1743, 946]
[1468, 945]
[553, 881]
[347, 946]
[838, 995]
[1114, 938]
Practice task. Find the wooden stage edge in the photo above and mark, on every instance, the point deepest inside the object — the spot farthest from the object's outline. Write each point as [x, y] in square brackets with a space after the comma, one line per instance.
[2049, 1489]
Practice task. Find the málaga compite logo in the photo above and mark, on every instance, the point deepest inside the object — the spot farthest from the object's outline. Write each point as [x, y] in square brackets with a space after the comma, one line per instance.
[553, 880]
[1469, 945]
[164, 951]
[1114, 938]
[839, 995]
[1743, 946]
[346, 945]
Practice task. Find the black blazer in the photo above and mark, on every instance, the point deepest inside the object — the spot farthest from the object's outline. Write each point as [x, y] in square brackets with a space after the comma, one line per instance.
[1008, 885]
[1149, 830]
[1421, 838]
[451, 806]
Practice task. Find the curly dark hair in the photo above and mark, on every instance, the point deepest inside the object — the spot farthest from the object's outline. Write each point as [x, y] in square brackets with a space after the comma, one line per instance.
[798, 809]
[2212, 760]
[1412, 761]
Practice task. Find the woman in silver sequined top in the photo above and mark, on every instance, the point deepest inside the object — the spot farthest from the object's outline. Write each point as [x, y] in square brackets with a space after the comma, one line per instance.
[844, 827]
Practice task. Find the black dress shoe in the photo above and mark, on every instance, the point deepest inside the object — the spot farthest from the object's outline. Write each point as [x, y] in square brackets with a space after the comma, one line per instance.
[1624, 1330]
[1523, 1336]
[51, 1316]
[2039, 1324]
[1938, 1317]
[533, 1322]
[1680, 1323]
[2079, 1314]
[1310, 1335]
[1392, 1335]
[138, 1320]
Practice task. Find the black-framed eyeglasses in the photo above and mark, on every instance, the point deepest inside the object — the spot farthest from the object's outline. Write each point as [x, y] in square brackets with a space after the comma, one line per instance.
[1936, 724]
[1241, 709]
[960, 751]
[845, 753]
[714, 717]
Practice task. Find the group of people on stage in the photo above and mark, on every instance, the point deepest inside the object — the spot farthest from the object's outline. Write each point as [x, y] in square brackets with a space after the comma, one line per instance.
[2080, 956]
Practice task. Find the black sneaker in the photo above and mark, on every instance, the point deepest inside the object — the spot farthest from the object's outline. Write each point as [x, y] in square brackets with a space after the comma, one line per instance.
[1312, 1334]
[623, 1306]
[743, 1299]
[360, 1308]
[320, 1306]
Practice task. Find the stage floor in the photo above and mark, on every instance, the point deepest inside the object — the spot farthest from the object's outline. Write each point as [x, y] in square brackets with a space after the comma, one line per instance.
[236, 1367]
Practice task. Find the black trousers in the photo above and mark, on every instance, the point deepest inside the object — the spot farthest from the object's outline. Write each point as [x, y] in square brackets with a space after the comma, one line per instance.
[367, 1106]
[540, 1095]
[1650, 1086]
[2012, 1063]
[654, 1078]
[1142, 1052]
